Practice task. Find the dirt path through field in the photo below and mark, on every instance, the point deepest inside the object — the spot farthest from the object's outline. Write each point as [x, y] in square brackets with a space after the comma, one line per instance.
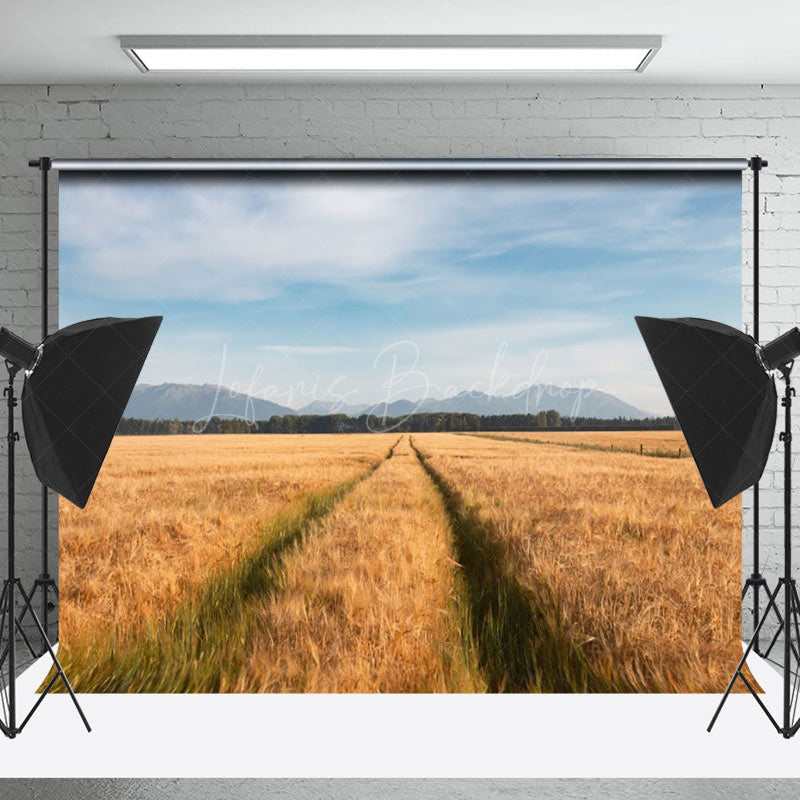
[367, 604]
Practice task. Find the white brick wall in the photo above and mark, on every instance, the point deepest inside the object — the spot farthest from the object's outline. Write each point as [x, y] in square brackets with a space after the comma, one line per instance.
[401, 120]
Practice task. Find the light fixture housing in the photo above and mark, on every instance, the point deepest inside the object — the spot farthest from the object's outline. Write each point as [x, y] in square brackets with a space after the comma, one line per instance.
[390, 54]
[77, 384]
[719, 386]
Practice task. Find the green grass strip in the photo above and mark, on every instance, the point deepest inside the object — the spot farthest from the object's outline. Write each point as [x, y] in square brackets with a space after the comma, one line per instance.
[203, 646]
[582, 446]
[516, 629]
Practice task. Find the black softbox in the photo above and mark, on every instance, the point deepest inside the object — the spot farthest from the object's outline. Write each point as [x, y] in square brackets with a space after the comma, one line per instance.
[722, 395]
[75, 395]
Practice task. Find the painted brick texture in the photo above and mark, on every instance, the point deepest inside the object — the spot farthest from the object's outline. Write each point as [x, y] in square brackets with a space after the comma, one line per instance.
[398, 120]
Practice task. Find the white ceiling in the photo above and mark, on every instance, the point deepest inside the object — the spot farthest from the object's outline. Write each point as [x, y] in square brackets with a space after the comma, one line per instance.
[705, 41]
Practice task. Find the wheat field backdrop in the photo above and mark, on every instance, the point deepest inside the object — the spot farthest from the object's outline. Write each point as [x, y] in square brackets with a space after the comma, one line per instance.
[433, 562]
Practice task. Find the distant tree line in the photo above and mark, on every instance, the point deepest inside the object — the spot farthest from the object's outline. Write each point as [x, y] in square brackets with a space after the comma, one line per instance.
[413, 423]
[155, 427]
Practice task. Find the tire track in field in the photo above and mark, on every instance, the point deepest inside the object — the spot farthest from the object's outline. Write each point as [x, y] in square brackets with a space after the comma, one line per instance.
[368, 604]
[521, 647]
[204, 641]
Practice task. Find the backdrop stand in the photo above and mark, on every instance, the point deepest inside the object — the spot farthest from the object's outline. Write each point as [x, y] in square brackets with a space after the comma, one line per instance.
[756, 581]
[45, 583]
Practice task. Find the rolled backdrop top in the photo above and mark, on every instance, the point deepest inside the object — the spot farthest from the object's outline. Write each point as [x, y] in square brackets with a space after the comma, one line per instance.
[401, 165]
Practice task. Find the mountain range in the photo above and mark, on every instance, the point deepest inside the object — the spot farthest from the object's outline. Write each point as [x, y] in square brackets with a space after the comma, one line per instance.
[187, 401]
[191, 402]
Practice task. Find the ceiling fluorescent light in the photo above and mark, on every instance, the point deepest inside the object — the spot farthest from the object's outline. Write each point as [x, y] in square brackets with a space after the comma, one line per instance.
[370, 54]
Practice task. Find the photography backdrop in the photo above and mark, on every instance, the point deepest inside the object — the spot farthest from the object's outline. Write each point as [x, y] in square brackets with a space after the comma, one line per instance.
[310, 299]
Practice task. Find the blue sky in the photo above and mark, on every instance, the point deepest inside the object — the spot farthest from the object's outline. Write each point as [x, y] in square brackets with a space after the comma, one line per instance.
[367, 289]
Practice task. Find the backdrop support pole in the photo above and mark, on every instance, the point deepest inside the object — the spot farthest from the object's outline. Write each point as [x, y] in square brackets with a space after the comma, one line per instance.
[756, 580]
[788, 583]
[45, 582]
[9, 590]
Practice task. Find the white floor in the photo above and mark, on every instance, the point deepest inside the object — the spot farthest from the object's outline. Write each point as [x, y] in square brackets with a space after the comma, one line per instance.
[400, 735]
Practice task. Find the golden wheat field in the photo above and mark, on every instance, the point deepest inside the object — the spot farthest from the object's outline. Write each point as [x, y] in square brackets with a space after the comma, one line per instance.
[168, 511]
[367, 604]
[642, 574]
[659, 443]
[432, 562]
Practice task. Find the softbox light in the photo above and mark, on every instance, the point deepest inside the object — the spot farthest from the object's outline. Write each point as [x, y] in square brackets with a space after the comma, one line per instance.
[723, 397]
[77, 384]
[720, 383]
[74, 397]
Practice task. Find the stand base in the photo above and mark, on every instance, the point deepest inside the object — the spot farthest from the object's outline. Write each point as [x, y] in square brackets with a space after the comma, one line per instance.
[790, 724]
[7, 699]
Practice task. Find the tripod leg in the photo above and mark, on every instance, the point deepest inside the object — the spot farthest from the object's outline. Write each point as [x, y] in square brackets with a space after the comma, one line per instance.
[3, 657]
[26, 606]
[45, 585]
[794, 644]
[3, 601]
[3, 616]
[796, 621]
[57, 663]
[779, 629]
[38, 701]
[760, 702]
[796, 598]
[737, 673]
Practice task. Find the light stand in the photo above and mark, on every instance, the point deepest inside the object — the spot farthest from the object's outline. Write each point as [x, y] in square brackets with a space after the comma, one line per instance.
[790, 621]
[10, 623]
[78, 381]
[756, 581]
[721, 385]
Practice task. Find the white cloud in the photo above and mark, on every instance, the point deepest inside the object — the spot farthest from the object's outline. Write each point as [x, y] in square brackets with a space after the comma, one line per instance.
[561, 348]
[541, 328]
[239, 241]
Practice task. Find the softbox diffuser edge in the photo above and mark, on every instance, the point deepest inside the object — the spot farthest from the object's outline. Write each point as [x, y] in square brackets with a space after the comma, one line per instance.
[723, 398]
[74, 398]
